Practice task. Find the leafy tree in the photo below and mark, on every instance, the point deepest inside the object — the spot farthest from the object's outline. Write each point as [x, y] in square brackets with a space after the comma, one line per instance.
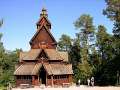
[1, 54]
[85, 24]
[1, 44]
[7, 64]
[112, 11]
[107, 73]
[64, 43]
[95, 60]
[104, 43]
[1, 22]
[75, 57]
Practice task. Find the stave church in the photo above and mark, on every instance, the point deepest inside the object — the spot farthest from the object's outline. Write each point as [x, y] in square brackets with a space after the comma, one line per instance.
[43, 63]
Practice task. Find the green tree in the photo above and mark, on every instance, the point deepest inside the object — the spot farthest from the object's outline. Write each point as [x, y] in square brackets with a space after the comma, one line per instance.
[64, 43]
[7, 64]
[105, 72]
[104, 43]
[1, 54]
[1, 22]
[112, 11]
[85, 24]
[75, 57]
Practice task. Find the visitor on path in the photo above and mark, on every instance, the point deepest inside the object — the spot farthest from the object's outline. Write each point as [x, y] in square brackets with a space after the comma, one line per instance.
[88, 82]
[79, 82]
[92, 81]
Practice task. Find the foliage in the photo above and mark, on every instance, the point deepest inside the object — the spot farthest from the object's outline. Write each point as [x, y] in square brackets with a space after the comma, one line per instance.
[83, 69]
[85, 23]
[112, 11]
[7, 64]
[2, 87]
[1, 22]
[75, 58]
[104, 43]
[64, 43]
[107, 74]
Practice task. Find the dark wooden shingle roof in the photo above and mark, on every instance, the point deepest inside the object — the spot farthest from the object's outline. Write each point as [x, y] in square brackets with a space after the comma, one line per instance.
[51, 69]
[28, 69]
[51, 53]
[58, 69]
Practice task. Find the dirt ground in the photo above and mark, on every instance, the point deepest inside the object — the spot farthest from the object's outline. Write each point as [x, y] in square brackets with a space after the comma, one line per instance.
[72, 88]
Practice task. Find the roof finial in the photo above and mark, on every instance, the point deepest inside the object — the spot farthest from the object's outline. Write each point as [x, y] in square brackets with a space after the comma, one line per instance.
[44, 11]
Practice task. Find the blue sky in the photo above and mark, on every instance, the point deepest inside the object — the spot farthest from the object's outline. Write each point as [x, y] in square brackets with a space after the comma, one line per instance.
[20, 17]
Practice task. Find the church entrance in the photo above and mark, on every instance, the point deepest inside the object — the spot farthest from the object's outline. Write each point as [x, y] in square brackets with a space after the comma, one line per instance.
[42, 76]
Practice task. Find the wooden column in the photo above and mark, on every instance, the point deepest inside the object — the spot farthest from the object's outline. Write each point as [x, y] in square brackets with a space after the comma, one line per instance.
[70, 79]
[33, 80]
[52, 80]
[38, 80]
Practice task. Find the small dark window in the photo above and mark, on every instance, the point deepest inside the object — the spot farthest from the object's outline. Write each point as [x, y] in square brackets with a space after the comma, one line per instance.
[63, 76]
[49, 77]
[36, 77]
[55, 77]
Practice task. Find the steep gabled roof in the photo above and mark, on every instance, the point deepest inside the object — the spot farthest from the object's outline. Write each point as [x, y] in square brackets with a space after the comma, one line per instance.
[43, 17]
[39, 31]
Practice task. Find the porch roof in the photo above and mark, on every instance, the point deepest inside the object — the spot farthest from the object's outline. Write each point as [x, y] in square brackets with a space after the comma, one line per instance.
[28, 69]
[58, 69]
[51, 53]
[51, 69]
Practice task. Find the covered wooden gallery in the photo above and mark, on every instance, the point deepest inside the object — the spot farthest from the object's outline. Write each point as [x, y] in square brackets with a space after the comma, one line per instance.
[43, 63]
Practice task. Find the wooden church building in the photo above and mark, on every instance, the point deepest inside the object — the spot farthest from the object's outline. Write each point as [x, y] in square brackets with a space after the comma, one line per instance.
[43, 63]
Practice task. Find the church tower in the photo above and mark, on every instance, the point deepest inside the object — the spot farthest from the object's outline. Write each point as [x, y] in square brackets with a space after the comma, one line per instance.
[43, 39]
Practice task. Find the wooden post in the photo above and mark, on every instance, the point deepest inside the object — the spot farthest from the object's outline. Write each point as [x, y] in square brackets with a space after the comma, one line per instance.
[52, 80]
[38, 80]
[33, 80]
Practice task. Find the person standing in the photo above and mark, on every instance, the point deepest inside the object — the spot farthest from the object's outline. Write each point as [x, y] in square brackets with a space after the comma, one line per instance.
[88, 82]
[79, 82]
[92, 81]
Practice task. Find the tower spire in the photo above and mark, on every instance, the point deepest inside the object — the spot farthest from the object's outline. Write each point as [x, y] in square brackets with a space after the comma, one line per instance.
[44, 10]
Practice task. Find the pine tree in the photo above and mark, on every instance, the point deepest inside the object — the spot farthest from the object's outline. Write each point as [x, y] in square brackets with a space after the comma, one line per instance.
[112, 11]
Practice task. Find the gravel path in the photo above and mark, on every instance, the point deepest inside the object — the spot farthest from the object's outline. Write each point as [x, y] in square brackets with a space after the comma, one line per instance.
[73, 88]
